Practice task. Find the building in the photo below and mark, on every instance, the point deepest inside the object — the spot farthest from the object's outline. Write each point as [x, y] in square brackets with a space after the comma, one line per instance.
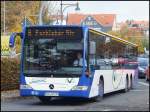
[134, 27]
[141, 26]
[100, 22]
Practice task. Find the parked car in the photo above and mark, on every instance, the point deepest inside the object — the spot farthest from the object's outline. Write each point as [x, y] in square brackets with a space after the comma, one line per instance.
[147, 73]
[144, 56]
[142, 64]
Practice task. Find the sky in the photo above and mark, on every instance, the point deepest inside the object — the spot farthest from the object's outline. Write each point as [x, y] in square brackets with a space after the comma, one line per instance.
[136, 10]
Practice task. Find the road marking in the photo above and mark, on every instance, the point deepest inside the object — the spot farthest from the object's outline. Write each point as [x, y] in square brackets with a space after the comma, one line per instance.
[137, 90]
[148, 103]
[142, 83]
[108, 110]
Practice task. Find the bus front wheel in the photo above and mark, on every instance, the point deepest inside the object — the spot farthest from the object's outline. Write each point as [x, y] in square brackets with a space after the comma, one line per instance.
[44, 99]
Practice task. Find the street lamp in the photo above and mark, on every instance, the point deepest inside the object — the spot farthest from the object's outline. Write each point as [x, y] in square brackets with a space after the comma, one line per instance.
[4, 19]
[41, 12]
[68, 5]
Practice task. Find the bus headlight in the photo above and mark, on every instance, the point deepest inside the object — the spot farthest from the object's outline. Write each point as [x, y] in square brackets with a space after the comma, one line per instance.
[25, 86]
[80, 88]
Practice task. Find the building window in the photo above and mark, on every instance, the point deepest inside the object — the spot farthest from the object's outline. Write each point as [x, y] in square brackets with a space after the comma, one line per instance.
[94, 23]
[89, 18]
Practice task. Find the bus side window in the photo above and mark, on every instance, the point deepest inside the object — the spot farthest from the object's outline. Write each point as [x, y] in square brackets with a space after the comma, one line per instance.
[92, 53]
[103, 59]
[92, 56]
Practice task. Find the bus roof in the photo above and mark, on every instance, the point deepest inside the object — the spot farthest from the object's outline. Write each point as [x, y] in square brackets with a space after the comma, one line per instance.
[114, 37]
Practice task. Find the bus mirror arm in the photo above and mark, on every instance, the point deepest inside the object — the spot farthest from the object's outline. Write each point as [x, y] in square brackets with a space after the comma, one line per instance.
[13, 37]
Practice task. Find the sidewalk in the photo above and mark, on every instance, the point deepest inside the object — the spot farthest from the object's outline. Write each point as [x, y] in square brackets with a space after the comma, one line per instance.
[12, 95]
[9, 94]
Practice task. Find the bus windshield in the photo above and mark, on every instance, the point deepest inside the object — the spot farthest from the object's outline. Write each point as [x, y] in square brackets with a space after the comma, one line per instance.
[52, 57]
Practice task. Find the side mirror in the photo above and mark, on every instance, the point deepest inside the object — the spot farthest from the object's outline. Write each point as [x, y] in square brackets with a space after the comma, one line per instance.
[12, 39]
[92, 47]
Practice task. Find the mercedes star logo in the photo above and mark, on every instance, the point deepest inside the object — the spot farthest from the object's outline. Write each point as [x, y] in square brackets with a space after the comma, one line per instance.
[51, 86]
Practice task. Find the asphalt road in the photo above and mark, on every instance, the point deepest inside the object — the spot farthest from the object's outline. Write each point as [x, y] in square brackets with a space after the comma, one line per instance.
[134, 100]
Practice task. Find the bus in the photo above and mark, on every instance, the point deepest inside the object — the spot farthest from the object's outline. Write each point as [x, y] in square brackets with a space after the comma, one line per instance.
[48, 67]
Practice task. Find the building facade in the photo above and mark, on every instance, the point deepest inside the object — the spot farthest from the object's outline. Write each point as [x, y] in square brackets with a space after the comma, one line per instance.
[100, 22]
[135, 26]
[142, 26]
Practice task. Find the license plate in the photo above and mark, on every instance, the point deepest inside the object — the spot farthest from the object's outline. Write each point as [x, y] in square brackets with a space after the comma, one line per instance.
[51, 94]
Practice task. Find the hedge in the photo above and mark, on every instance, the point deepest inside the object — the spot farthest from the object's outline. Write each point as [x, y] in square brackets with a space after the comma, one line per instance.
[10, 71]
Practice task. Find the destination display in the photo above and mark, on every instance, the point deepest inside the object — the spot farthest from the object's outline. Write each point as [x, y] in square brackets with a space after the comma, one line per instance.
[54, 32]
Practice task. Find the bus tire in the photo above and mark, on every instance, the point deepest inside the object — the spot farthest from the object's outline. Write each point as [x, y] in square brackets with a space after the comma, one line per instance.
[131, 82]
[126, 85]
[101, 91]
[44, 99]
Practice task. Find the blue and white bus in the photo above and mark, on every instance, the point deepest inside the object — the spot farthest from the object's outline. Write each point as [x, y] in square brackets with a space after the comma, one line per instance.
[48, 67]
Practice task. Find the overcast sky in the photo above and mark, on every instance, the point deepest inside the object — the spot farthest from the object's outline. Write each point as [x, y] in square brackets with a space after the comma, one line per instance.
[137, 10]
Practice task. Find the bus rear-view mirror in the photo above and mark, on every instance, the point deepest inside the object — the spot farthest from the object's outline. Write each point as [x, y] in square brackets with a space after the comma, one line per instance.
[12, 39]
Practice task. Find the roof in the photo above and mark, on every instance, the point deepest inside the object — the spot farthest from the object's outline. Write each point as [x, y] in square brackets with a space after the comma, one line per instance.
[135, 28]
[103, 19]
[146, 23]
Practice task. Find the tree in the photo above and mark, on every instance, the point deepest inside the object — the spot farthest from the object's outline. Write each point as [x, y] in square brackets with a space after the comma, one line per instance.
[16, 11]
[145, 43]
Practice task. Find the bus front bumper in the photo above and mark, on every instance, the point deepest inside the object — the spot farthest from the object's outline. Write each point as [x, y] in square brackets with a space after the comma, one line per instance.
[71, 93]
